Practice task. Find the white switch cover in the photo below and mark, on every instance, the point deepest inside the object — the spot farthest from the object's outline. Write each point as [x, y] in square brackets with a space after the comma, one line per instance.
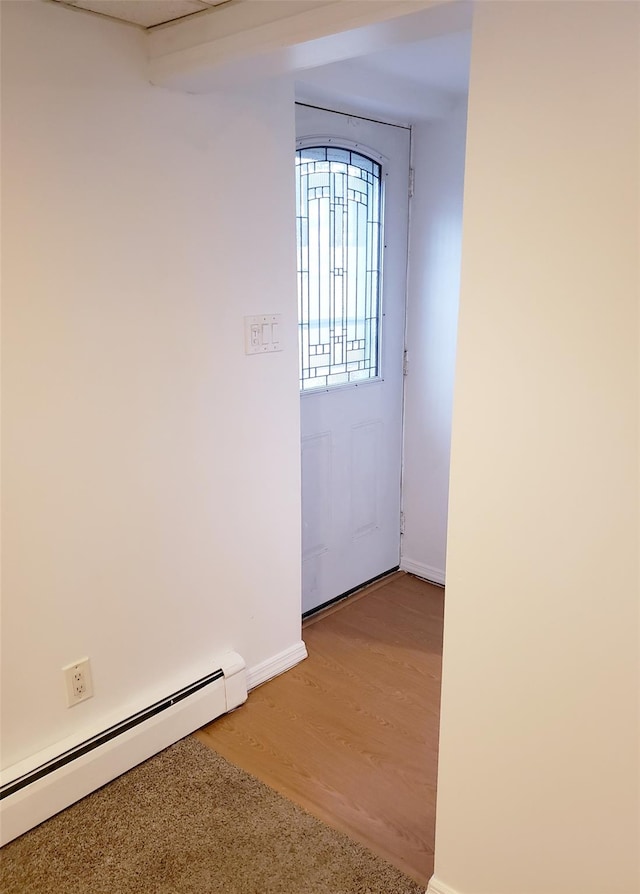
[262, 334]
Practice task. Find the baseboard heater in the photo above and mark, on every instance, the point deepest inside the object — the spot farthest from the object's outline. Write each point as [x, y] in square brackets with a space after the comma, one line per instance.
[35, 790]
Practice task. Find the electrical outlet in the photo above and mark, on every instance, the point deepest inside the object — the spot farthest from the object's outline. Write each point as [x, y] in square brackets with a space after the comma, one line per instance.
[77, 677]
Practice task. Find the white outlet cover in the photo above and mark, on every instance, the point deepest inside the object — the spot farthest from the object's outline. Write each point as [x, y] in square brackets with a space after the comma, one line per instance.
[78, 682]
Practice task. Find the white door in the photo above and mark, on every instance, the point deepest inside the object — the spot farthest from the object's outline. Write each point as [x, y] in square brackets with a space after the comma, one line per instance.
[352, 207]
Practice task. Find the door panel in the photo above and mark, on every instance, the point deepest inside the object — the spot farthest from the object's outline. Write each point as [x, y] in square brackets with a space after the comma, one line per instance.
[366, 441]
[352, 433]
[316, 482]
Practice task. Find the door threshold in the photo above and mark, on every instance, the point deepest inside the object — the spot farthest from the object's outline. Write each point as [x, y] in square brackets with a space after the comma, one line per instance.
[352, 595]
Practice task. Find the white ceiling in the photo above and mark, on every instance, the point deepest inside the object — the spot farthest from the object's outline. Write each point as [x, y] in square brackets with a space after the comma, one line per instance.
[441, 62]
[144, 13]
[413, 82]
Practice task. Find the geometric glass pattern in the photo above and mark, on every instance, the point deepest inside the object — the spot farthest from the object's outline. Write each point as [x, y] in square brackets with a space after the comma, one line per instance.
[339, 221]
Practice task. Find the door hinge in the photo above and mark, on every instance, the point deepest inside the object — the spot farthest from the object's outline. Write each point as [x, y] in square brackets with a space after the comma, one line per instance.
[405, 362]
[402, 522]
[412, 181]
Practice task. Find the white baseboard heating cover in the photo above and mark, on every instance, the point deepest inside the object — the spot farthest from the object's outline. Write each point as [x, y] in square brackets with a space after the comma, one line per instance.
[29, 796]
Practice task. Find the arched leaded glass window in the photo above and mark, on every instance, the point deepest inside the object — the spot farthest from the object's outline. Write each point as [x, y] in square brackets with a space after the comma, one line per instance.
[339, 221]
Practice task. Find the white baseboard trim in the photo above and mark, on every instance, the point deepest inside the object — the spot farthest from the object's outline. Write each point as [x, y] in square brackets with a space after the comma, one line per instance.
[428, 572]
[276, 665]
[437, 887]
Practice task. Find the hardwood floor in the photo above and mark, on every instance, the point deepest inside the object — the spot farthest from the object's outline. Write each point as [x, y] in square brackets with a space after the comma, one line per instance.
[351, 733]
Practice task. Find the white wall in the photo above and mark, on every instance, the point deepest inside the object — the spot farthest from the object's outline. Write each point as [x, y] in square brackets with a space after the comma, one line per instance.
[151, 470]
[432, 319]
[539, 756]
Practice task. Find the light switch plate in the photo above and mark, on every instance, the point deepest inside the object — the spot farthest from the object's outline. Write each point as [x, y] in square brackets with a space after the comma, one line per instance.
[262, 334]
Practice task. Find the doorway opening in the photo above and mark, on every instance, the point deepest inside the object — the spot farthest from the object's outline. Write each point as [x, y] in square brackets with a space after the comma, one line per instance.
[424, 99]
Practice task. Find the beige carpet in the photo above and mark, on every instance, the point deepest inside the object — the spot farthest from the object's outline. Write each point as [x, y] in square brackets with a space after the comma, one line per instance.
[188, 821]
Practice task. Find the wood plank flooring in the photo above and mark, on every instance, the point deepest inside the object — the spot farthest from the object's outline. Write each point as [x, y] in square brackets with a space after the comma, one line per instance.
[351, 733]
